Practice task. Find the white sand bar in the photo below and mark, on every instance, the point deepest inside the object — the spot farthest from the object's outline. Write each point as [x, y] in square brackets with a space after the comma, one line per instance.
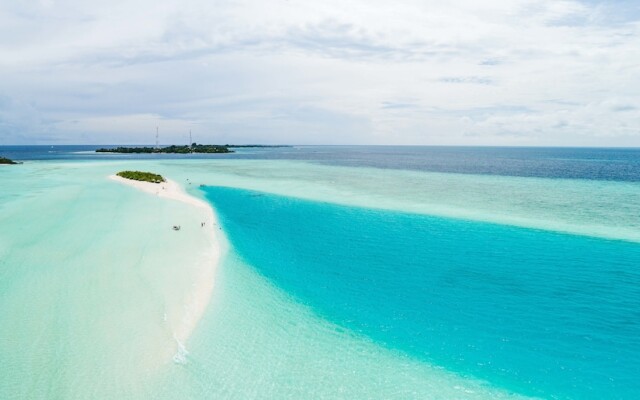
[196, 301]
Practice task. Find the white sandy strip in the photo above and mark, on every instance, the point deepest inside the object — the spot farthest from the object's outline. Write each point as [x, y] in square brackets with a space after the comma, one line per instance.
[196, 302]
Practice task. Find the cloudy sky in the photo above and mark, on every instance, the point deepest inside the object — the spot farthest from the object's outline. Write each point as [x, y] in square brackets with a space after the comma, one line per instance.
[493, 72]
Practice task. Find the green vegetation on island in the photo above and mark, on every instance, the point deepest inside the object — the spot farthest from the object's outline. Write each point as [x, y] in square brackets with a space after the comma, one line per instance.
[194, 148]
[4, 160]
[141, 176]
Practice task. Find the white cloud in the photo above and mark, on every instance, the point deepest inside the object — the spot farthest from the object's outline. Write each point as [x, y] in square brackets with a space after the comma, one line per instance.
[126, 129]
[21, 122]
[326, 72]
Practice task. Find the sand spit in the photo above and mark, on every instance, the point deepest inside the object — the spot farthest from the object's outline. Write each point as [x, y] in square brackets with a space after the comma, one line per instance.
[195, 302]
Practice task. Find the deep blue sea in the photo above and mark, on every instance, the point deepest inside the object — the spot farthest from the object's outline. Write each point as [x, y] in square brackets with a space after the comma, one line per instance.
[614, 164]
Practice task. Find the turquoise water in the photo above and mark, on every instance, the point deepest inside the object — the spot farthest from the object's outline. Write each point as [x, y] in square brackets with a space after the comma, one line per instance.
[92, 283]
[340, 282]
[536, 312]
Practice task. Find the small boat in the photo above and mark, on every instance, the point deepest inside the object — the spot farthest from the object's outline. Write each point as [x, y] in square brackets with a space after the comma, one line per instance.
[176, 227]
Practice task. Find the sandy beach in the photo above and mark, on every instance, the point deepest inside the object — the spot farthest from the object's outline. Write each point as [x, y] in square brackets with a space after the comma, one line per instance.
[195, 302]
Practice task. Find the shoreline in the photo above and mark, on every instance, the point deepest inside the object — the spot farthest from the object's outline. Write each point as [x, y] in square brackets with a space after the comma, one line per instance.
[196, 301]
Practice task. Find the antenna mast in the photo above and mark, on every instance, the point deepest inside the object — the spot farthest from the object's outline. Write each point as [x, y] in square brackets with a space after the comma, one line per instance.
[157, 138]
[190, 141]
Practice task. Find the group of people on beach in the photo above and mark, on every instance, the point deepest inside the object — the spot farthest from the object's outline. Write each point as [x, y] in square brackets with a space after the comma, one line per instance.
[177, 227]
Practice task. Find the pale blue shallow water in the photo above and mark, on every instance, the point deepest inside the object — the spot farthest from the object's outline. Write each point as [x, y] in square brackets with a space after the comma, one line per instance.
[536, 312]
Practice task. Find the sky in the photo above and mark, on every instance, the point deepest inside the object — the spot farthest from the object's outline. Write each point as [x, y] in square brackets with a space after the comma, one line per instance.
[429, 72]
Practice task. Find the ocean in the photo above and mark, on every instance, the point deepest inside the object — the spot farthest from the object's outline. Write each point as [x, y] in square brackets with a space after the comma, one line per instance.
[616, 164]
[351, 272]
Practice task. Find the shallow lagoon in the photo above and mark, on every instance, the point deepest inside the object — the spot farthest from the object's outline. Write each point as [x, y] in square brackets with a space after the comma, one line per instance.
[85, 283]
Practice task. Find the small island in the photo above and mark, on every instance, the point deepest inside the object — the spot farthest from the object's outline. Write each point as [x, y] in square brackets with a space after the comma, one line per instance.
[194, 148]
[141, 176]
[4, 160]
